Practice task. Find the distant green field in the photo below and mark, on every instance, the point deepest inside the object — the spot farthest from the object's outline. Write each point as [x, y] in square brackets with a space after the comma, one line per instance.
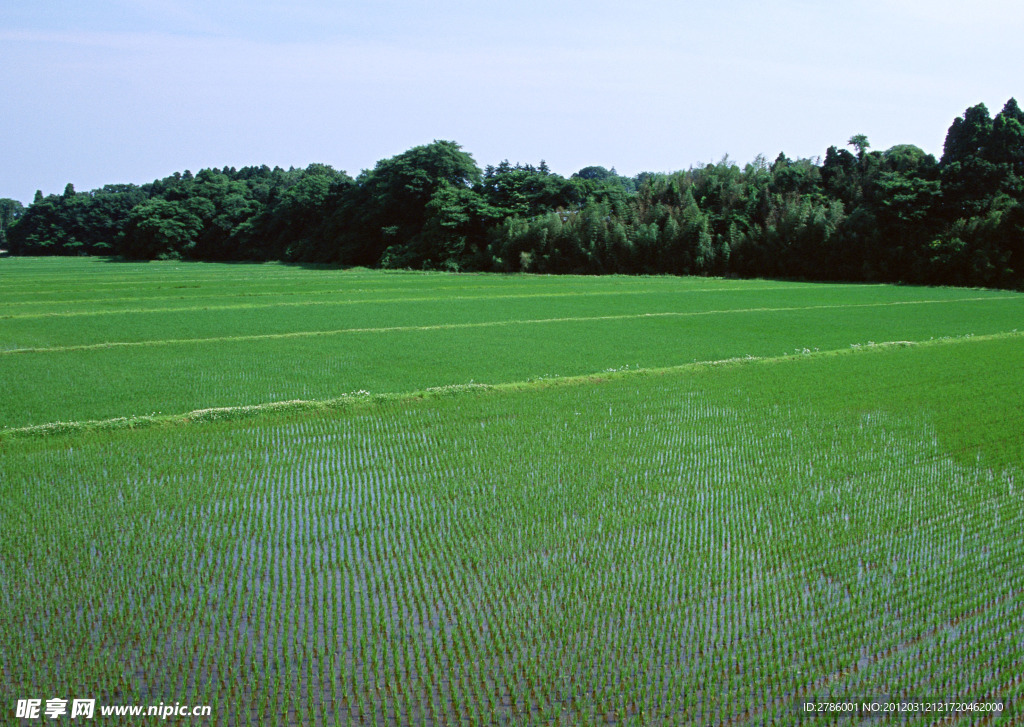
[825, 517]
[86, 339]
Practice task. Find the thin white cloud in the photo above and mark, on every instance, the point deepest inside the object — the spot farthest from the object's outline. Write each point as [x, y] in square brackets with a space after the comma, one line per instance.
[178, 14]
[993, 15]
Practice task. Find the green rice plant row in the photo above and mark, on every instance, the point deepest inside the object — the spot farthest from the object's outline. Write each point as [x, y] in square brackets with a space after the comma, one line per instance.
[716, 545]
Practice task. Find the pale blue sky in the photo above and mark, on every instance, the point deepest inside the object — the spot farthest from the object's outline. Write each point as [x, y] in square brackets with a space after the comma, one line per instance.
[129, 91]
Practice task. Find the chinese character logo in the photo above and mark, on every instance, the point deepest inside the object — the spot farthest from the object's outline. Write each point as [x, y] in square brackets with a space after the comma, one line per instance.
[28, 708]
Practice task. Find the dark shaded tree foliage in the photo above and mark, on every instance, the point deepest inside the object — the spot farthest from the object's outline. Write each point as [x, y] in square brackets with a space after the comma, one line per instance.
[11, 211]
[893, 215]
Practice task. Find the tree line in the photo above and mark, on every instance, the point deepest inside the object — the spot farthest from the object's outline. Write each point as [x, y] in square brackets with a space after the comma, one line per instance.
[858, 214]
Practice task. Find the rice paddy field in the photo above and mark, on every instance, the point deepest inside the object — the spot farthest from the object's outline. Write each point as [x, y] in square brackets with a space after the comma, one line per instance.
[323, 497]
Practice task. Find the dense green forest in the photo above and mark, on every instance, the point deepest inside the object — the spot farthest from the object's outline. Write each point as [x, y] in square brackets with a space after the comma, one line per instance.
[894, 215]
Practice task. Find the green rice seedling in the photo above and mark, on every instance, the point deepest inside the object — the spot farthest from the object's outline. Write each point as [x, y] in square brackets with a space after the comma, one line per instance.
[703, 544]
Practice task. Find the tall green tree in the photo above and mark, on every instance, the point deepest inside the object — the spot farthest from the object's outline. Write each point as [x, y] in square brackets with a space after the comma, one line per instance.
[860, 143]
[392, 207]
[163, 229]
[1006, 148]
[11, 211]
[969, 177]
